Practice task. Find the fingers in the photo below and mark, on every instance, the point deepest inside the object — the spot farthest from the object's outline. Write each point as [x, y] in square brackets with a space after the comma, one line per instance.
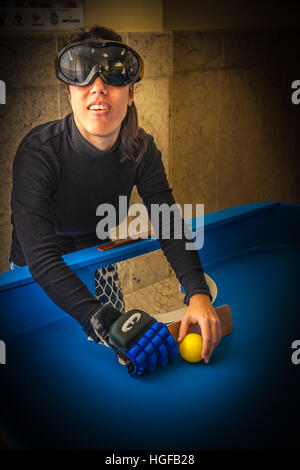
[122, 361]
[213, 338]
[211, 331]
[207, 338]
[183, 328]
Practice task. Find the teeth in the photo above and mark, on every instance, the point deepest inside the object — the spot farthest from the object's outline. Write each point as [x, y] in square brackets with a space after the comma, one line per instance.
[99, 106]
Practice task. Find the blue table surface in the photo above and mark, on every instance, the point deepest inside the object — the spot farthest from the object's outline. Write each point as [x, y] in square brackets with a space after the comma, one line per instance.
[80, 397]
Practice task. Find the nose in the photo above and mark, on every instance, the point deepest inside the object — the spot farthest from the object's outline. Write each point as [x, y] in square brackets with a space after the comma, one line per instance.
[98, 85]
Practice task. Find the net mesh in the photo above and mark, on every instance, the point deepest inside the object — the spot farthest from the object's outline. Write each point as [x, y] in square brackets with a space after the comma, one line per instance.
[146, 282]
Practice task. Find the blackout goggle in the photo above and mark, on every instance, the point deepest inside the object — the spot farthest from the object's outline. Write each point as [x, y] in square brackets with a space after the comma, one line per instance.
[115, 63]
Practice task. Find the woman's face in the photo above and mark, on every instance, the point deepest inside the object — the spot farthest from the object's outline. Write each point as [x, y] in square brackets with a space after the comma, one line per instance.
[94, 123]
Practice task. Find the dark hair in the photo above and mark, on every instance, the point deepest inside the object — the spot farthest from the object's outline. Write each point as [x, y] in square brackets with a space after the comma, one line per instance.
[133, 138]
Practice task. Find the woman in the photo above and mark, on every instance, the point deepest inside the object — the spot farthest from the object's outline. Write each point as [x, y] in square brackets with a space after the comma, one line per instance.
[64, 169]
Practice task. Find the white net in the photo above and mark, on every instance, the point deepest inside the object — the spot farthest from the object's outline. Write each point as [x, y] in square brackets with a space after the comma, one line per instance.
[146, 282]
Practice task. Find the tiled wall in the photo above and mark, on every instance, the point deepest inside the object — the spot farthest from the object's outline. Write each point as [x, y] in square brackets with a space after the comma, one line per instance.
[234, 130]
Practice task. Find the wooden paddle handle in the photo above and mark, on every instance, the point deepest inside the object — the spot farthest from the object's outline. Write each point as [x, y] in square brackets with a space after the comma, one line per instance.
[124, 241]
[224, 314]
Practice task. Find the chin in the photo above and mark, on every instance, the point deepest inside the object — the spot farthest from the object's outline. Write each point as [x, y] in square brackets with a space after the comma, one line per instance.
[102, 130]
[99, 125]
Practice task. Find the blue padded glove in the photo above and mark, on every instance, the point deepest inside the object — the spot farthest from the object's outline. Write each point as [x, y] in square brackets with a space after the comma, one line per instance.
[136, 337]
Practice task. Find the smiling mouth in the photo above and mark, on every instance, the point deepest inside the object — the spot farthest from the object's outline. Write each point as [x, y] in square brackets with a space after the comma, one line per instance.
[99, 111]
[97, 107]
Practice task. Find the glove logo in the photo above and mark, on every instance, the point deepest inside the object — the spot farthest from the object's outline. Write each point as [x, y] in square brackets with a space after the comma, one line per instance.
[129, 324]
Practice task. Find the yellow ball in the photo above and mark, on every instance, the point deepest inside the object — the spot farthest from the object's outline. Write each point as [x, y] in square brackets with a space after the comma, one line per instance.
[190, 347]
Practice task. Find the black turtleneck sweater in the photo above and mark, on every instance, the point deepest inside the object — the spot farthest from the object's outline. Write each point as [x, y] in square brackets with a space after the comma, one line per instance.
[59, 179]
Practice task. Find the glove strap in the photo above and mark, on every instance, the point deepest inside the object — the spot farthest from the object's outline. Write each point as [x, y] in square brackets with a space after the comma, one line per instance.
[102, 320]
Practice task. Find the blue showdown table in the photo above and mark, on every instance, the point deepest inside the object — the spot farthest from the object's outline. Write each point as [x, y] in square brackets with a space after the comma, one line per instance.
[60, 391]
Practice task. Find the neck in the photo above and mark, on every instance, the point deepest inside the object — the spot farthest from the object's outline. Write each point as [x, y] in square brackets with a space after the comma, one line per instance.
[103, 143]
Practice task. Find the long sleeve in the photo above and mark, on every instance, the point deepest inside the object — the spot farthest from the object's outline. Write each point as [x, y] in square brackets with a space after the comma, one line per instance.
[153, 187]
[59, 180]
[34, 185]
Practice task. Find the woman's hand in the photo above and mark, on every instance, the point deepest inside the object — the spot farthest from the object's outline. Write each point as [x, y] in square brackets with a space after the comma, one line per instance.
[201, 311]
